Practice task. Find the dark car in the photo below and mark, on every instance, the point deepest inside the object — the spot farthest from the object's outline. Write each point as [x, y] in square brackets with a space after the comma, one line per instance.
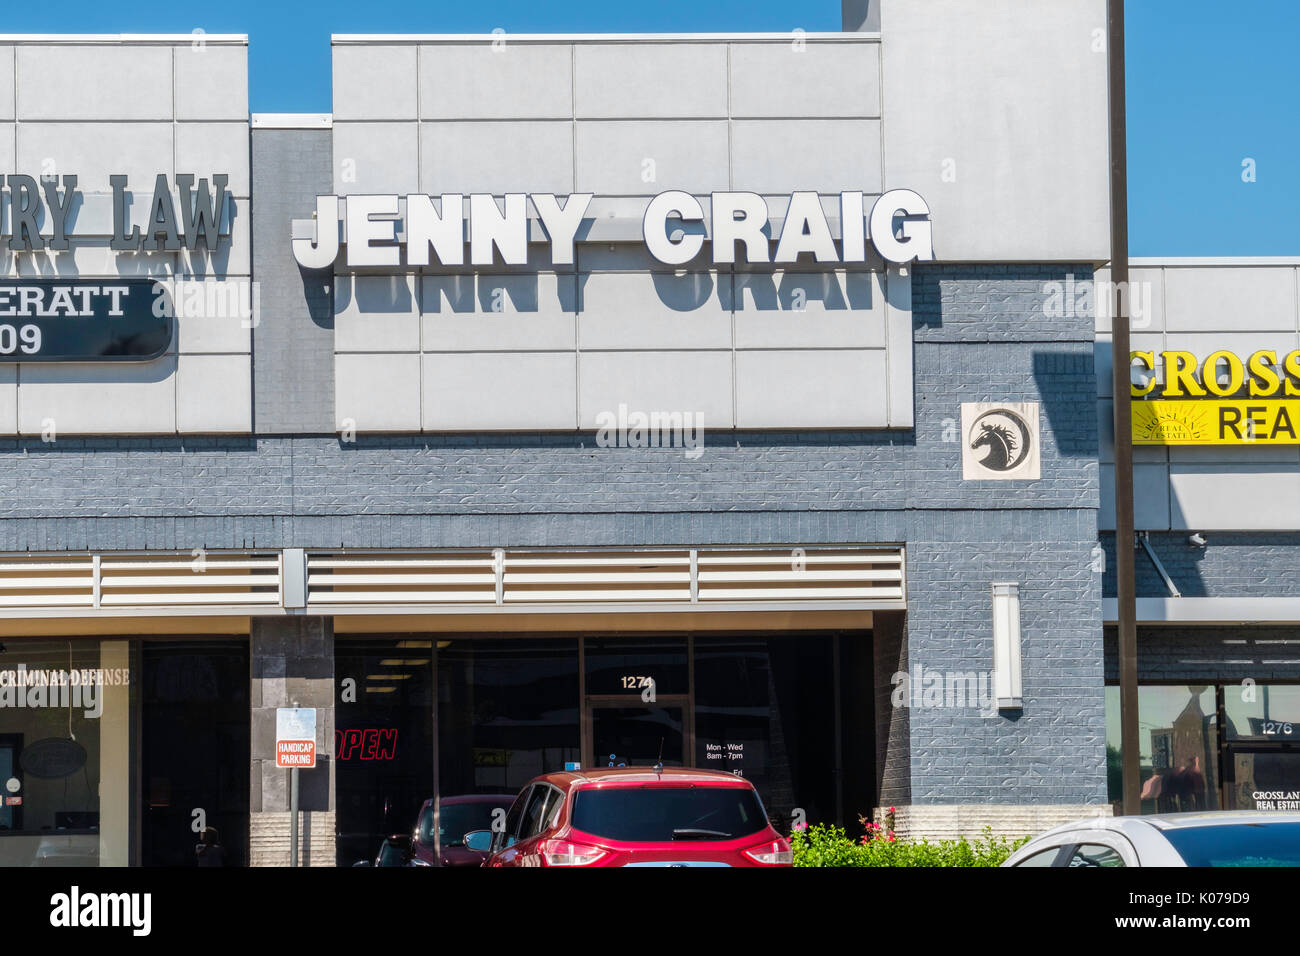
[632, 816]
[456, 816]
[394, 851]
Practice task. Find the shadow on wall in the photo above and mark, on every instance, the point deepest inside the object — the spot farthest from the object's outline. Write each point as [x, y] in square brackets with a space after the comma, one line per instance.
[684, 291]
[318, 293]
[580, 441]
[1070, 410]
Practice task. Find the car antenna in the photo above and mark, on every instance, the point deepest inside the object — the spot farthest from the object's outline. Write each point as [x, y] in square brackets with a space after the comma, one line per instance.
[659, 764]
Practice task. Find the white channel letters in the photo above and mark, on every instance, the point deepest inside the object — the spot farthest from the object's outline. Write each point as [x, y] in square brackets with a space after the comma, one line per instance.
[673, 229]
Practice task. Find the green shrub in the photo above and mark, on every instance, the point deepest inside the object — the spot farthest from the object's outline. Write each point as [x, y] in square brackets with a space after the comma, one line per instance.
[821, 845]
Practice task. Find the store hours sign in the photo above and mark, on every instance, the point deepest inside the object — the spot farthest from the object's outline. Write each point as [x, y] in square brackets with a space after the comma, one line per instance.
[101, 320]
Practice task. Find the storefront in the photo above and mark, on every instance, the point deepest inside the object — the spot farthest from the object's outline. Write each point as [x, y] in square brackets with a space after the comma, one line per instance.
[509, 708]
[555, 400]
[1216, 372]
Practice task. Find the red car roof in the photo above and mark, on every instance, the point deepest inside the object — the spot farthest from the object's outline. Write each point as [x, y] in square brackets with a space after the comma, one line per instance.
[639, 776]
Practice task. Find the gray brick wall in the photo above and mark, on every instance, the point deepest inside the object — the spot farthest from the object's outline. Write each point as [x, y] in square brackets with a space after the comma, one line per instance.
[293, 343]
[1232, 564]
[980, 335]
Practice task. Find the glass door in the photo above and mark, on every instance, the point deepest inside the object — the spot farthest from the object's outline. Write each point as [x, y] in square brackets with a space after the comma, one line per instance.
[632, 733]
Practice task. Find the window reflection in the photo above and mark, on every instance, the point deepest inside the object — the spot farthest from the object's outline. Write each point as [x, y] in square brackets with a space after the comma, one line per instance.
[507, 712]
[383, 739]
[1178, 742]
[64, 752]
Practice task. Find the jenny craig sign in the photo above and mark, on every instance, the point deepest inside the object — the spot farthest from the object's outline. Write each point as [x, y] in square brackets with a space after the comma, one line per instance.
[673, 229]
[1222, 399]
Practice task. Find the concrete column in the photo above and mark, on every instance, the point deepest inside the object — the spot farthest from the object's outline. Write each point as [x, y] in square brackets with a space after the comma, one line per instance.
[292, 663]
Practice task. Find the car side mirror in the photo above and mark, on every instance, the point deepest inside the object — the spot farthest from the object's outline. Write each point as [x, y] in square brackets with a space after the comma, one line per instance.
[479, 841]
[362, 863]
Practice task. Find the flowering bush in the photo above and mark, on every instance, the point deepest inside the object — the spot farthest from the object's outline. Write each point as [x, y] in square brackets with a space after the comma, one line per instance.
[821, 845]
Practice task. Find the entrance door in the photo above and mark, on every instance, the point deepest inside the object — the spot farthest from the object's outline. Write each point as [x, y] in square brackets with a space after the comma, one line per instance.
[627, 732]
[195, 749]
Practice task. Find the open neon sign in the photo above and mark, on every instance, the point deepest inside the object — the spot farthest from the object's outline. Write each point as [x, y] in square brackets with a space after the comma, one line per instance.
[366, 743]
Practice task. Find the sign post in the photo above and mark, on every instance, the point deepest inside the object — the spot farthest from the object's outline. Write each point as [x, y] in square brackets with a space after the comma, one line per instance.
[295, 748]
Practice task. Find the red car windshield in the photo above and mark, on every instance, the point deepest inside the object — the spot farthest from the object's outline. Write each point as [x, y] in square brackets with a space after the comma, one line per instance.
[665, 814]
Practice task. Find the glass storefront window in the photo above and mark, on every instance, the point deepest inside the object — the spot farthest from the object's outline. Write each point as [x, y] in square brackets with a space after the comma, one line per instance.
[631, 665]
[507, 712]
[1178, 743]
[763, 709]
[383, 739]
[1263, 712]
[1262, 726]
[194, 750]
[65, 730]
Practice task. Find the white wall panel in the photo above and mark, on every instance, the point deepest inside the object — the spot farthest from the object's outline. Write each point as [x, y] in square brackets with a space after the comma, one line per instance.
[377, 392]
[211, 81]
[8, 399]
[495, 157]
[780, 156]
[1263, 497]
[376, 158]
[212, 316]
[805, 310]
[654, 80]
[981, 87]
[464, 391]
[499, 312]
[6, 82]
[93, 151]
[214, 394]
[374, 82]
[497, 79]
[136, 109]
[1215, 299]
[810, 388]
[792, 79]
[376, 314]
[696, 382]
[99, 399]
[207, 149]
[647, 157]
[125, 82]
[625, 310]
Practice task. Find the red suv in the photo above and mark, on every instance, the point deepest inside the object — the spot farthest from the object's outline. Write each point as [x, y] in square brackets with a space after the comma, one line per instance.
[636, 817]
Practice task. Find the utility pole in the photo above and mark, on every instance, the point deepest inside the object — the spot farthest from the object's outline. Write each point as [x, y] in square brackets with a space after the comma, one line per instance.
[1126, 589]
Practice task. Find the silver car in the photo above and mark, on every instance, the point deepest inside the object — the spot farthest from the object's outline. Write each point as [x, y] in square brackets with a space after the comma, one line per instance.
[1216, 838]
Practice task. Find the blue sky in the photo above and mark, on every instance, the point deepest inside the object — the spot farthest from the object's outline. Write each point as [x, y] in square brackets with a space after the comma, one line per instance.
[1210, 84]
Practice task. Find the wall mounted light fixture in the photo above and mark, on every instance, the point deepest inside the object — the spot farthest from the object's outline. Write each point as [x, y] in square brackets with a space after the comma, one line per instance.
[1006, 645]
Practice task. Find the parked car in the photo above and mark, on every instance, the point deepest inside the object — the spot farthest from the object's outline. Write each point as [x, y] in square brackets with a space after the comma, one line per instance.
[394, 851]
[456, 816]
[1214, 838]
[635, 817]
